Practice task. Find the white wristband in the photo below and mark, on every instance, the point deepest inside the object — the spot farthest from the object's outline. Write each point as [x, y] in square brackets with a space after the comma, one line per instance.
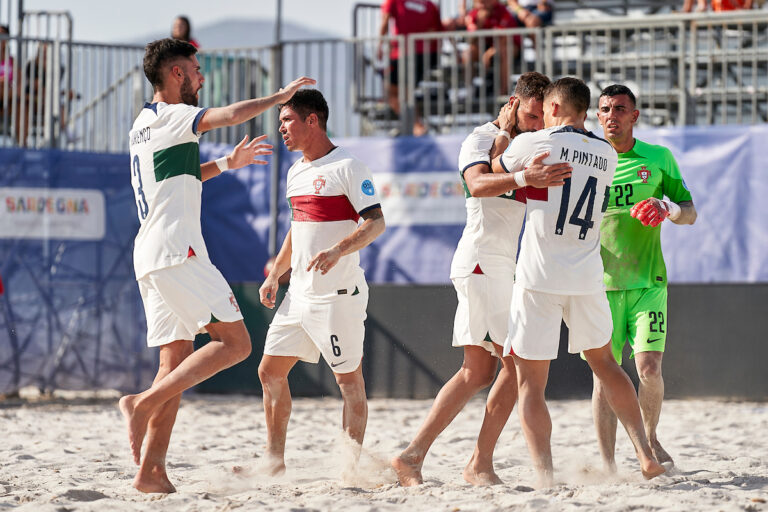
[673, 209]
[520, 178]
[505, 133]
[222, 164]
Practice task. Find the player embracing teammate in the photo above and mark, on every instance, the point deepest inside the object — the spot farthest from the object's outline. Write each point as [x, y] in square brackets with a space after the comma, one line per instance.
[560, 274]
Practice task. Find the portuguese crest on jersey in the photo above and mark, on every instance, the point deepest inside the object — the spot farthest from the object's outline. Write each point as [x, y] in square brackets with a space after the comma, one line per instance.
[644, 173]
[319, 183]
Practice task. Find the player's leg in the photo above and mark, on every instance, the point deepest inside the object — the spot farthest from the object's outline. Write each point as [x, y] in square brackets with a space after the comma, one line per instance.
[621, 396]
[337, 331]
[602, 414]
[651, 395]
[534, 335]
[287, 342]
[230, 344]
[501, 400]
[470, 331]
[589, 324]
[648, 343]
[534, 416]
[476, 373]
[605, 424]
[355, 413]
[152, 476]
[193, 296]
[276, 395]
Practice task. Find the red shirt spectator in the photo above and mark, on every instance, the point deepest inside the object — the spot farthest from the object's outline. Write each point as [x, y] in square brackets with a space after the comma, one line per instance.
[411, 17]
[731, 5]
[497, 16]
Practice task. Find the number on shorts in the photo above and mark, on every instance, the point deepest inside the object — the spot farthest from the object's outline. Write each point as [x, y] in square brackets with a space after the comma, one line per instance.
[141, 201]
[587, 196]
[334, 346]
[657, 318]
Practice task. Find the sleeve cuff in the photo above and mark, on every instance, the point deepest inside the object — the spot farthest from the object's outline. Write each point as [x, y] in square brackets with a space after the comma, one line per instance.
[369, 208]
[198, 117]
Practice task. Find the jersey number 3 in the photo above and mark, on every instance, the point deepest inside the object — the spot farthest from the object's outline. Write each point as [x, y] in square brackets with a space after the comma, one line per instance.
[586, 198]
[141, 201]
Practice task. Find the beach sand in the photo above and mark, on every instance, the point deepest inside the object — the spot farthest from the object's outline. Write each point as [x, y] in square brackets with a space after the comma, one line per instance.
[72, 454]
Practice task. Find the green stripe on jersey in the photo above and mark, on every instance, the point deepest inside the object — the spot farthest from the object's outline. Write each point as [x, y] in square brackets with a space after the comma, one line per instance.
[177, 161]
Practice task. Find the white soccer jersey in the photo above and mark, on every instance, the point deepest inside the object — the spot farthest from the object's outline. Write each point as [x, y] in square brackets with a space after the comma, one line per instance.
[327, 197]
[165, 174]
[560, 251]
[493, 225]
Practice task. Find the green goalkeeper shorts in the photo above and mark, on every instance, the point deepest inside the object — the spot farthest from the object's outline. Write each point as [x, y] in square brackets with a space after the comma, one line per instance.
[639, 316]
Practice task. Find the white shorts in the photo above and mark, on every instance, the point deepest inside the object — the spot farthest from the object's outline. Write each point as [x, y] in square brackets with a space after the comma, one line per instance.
[334, 329]
[180, 301]
[483, 310]
[534, 323]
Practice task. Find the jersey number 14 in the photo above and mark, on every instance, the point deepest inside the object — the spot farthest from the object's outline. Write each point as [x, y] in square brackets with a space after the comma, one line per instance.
[585, 202]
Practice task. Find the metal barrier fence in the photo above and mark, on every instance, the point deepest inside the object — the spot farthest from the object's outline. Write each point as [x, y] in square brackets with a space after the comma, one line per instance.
[685, 69]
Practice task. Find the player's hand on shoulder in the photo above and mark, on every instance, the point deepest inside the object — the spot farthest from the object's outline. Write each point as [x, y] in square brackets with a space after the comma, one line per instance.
[294, 86]
[650, 212]
[246, 153]
[325, 260]
[541, 175]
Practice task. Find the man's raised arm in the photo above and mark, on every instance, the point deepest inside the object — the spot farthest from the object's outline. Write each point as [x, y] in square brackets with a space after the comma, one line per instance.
[242, 111]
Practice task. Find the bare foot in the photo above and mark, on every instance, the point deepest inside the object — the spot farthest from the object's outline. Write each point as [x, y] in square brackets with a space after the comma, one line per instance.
[154, 481]
[544, 479]
[652, 469]
[609, 466]
[407, 474]
[137, 425]
[272, 465]
[660, 453]
[480, 477]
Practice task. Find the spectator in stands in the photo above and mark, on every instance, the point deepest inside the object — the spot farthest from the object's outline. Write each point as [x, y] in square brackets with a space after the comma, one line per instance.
[460, 21]
[490, 14]
[182, 30]
[718, 5]
[410, 17]
[6, 81]
[37, 95]
[532, 13]
[6, 60]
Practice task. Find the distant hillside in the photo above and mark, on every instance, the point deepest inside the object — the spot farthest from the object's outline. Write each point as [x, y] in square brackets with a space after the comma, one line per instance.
[243, 32]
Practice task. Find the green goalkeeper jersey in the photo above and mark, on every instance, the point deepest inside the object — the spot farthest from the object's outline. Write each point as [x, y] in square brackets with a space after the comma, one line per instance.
[631, 252]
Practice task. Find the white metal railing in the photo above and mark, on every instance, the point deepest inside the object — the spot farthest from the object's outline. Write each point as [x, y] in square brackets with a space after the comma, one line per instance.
[685, 69]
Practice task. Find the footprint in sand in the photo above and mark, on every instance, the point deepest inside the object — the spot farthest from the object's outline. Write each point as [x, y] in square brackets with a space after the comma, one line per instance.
[83, 495]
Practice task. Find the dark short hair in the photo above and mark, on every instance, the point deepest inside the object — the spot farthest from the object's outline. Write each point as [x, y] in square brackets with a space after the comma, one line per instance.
[309, 101]
[618, 90]
[162, 52]
[5, 29]
[531, 85]
[571, 91]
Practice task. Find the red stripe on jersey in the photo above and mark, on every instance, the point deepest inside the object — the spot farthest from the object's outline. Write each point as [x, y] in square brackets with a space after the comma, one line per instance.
[477, 270]
[314, 208]
[191, 252]
[536, 194]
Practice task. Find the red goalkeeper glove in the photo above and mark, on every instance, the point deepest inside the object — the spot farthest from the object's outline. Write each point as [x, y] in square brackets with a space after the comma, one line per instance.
[653, 211]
